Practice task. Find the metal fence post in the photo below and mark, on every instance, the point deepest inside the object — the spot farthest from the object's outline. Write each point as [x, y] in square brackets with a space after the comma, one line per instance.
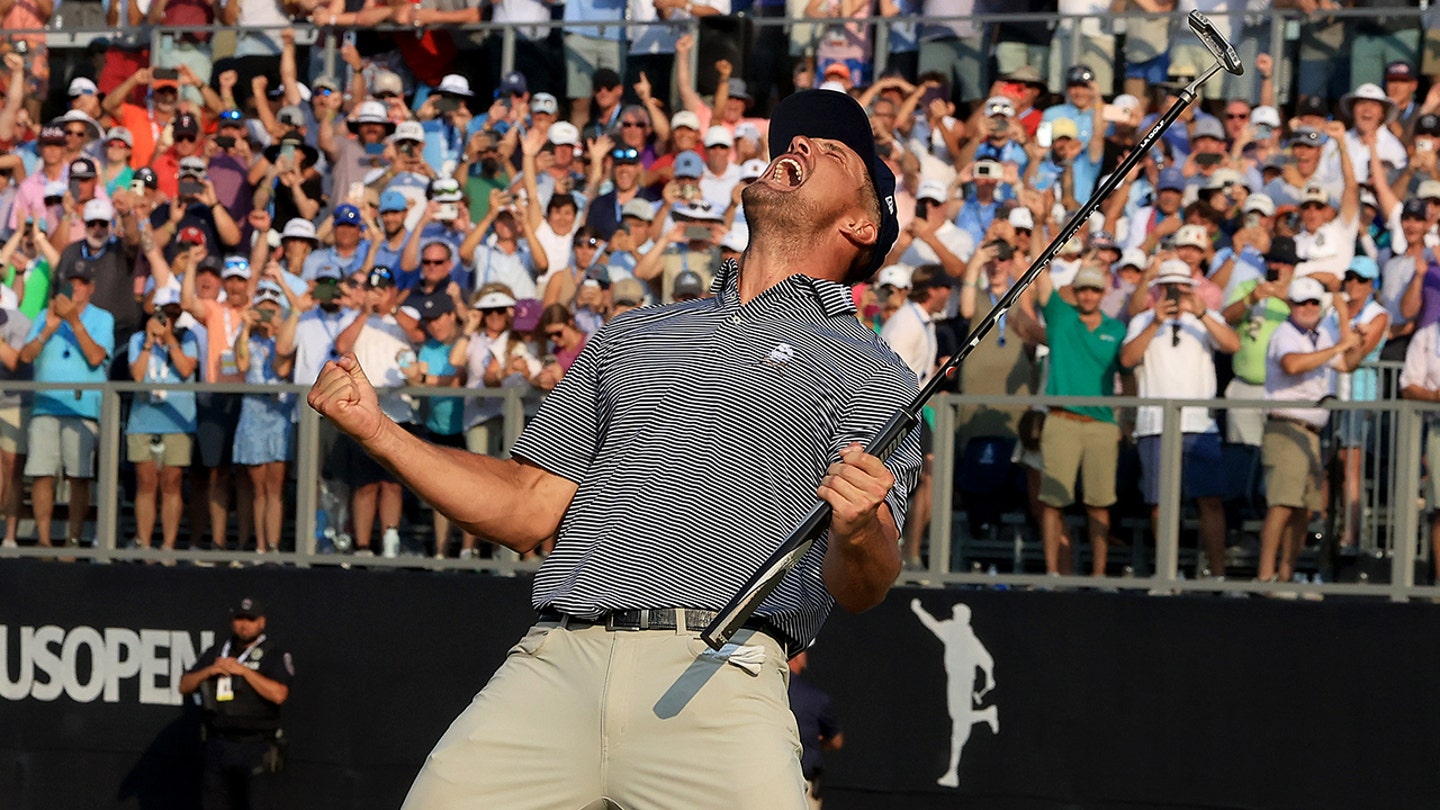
[507, 49]
[514, 419]
[1406, 523]
[107, 502]
[942, 485]
[1167, 521]
[307, 476]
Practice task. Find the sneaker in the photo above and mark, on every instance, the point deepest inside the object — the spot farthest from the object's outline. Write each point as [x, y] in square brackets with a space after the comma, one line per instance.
[364, 552]
[469, 553]
[390, 543]
[13, 544]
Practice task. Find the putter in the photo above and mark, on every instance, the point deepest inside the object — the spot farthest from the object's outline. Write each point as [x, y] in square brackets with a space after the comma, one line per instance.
[764, 581]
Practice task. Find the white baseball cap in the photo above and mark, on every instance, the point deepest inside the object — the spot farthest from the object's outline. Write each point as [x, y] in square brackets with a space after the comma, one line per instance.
[494, 300]
[718, 136]
[752, 169]
[1133, 257]
[1259, 202]
[298, 228]
[408, 131]
[1265, 114]
[544, 103]
[685, 118]
[1193, 235]
[1173, 271]
[164, 296]
[1020, 217]
[1305, 288]
[81, 86]
[931, 190]
[564, 133]
[455, 85]
[894, 275]
[98, 209]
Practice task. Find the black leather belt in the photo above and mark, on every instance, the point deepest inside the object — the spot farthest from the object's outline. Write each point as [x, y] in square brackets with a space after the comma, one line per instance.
[660, 619]
[1300, 423]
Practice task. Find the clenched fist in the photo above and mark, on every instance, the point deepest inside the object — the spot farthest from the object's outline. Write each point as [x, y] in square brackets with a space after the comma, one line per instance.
[344, 395]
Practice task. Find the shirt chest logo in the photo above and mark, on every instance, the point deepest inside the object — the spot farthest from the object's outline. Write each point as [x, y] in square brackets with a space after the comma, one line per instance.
[780, 356]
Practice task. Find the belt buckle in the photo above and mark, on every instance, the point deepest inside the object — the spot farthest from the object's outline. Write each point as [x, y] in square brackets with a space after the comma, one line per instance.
[610, 622]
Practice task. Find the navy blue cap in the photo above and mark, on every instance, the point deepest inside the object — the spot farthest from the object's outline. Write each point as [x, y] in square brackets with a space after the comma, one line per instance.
[435, 304]
[1427, 124]
[1415, 208]
[827, 114]
[1171, 178]
[380, 277]
[347, 214]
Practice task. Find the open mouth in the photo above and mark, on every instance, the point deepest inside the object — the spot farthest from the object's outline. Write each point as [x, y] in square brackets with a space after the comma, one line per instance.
[786, 171]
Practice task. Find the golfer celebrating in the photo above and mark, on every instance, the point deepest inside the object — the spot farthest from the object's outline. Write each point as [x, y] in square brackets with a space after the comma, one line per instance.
[679, 450]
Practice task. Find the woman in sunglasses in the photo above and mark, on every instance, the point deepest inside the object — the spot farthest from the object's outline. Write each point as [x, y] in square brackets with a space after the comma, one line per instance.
[1371, 322]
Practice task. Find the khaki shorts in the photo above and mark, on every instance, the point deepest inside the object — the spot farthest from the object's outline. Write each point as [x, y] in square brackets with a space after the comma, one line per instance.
[1293, 467]
[61, 445]
[487, 438]
[647, 719]
[1073, 448]
[12, 429]
[177, 453]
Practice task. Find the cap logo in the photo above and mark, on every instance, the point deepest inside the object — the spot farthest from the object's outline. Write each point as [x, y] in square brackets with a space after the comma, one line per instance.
[246, 604]
[890, 204]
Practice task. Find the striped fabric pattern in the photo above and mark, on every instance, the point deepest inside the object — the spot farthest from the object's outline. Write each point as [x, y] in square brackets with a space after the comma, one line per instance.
[697, 433]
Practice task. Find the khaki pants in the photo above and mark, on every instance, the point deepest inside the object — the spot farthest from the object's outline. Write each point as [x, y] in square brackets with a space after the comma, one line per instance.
[584, 718]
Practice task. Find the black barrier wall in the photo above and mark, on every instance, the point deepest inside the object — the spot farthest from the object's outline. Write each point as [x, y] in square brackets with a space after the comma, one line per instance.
[1098, 701]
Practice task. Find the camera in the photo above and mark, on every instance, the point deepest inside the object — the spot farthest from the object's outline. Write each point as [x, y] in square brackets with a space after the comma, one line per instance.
[446, 104]
[446, 212]
[697, 233]
[161, 318]
[1208, 159]
[165, 74]
[190, 187]
[225, 141]
[922, 209]
[137, 187]
[266, 315]
[986, 170]
[21, 47]
[406, 148]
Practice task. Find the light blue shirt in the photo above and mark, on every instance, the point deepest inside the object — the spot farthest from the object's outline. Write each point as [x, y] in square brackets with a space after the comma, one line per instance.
[61, 360]
[171, 411]
[613, 11]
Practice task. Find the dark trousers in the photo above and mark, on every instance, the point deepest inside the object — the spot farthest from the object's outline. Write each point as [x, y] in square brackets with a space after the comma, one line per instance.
[235, 776]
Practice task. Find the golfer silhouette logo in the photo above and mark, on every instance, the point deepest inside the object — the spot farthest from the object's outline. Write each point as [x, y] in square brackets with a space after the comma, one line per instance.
[963, 655]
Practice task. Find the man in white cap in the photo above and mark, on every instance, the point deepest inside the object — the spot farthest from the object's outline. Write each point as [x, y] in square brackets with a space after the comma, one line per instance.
[408, 174]
[1193, 248]
[1171, 350]
[1372, 113]
[684, 137]
[1300, 362]
[932, 236]
[113, 279]
[722, 173]
[448, 121]
[910, 331]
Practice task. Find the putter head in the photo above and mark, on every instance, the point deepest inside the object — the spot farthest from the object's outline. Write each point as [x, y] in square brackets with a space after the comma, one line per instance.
[1221, 49]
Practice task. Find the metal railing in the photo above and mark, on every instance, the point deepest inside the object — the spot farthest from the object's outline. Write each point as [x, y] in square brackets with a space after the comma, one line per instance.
[1398, 531]
[1285, 26]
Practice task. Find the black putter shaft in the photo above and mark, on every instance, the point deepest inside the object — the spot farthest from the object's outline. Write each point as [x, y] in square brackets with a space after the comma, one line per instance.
[765, 580]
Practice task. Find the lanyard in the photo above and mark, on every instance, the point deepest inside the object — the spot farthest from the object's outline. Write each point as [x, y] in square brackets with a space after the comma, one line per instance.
[225, 651]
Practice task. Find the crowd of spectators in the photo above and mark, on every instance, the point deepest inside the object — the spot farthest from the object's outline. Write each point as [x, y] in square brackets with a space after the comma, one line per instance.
[236, 213]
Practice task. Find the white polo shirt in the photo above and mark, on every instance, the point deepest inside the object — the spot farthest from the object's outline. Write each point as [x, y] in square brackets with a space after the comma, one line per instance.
[379, 348]
[1179, 363]
[1307, 387]
[911, 333]
[1327, 250]
[1422, 363]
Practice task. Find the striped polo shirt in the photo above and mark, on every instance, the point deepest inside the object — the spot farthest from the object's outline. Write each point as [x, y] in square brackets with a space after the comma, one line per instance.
[697, 434]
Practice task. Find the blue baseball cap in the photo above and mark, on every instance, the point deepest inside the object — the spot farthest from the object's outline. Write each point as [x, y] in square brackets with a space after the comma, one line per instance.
[1364, 267]
[380, 277]
[392, 200]
[827, 114]
[689, 164]
[347, 214]
[1172, 179]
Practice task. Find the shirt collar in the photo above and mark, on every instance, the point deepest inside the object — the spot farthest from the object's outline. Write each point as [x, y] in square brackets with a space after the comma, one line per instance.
[833, 298]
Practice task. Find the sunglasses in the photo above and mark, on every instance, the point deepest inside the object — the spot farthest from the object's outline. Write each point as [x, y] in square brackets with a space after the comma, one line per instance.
[186, 138]
[75, 133]
[98, 223]
[1358, 277]
[1307, 206]
[386, 96]
[1236, 116]
[495, 311]
[434, 262]
[632, 125]
[1305, 303]
[554, 333]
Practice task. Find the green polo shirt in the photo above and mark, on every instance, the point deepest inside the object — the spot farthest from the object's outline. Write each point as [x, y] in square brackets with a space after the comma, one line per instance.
[1261, 321]
[1083, 362]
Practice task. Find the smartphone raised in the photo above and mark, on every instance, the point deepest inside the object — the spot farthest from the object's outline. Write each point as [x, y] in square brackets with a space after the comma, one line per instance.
[225, 141]
[191, 188]
[1044, 135]
[922, 209]
[697, 233]
[165, 74]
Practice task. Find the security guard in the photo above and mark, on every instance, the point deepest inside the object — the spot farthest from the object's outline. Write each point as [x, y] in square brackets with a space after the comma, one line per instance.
[241, 684]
